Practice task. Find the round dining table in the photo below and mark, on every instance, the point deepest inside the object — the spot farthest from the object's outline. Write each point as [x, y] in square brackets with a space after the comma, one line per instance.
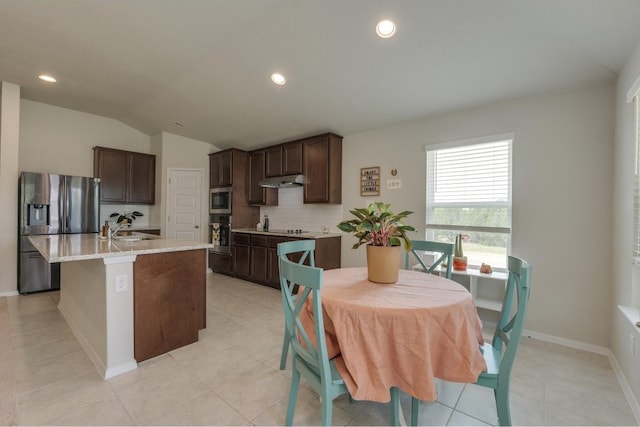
[401, 335]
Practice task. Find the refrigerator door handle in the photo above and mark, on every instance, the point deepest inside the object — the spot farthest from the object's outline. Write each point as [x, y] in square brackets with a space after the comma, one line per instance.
[67, 204]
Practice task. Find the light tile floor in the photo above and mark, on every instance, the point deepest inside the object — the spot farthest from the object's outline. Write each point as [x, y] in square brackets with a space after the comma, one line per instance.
[231, 376]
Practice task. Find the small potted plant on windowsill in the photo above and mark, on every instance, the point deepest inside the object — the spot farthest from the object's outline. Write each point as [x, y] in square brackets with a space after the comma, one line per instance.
[384, 233]
[459, 260]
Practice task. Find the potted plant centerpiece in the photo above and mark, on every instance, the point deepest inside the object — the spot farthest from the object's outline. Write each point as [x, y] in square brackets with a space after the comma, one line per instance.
[384, 233]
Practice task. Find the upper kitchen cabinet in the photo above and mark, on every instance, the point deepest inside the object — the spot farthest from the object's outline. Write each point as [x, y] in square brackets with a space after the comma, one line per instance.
[221, 169]
[292, 158]
[283, 159]
[273, 161]
[322, 169]
[125, 176]
[259, 195]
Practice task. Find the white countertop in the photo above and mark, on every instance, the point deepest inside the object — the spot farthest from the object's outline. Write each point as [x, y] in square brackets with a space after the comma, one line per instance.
[306, 235]
[77, 247]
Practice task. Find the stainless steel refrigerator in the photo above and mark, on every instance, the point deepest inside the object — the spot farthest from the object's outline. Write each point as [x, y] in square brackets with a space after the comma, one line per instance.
[52, 204]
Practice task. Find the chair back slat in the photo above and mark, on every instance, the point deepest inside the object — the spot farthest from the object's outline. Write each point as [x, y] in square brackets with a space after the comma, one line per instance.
[446, 258]
[306, 247]
[514, 308]
[309, 281]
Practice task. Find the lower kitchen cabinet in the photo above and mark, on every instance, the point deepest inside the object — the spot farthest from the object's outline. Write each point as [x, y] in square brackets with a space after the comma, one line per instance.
[258, 262]
[241, 249]
[169, 300]
[273, 275]
[255, 256]
[221, 263]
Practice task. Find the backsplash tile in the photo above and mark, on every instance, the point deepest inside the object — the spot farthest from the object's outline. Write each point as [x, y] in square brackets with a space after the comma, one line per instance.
[292, 213]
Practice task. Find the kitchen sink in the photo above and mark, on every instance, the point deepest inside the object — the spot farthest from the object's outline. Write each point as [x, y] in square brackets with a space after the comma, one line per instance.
[133, 236]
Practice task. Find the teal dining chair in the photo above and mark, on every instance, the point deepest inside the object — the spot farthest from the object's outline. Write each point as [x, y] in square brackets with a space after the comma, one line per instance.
[300, 250]
[501, 352]
[309, 360]
[446, 257]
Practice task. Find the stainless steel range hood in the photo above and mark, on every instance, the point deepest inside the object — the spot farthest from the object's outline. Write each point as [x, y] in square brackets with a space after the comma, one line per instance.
[282, 181]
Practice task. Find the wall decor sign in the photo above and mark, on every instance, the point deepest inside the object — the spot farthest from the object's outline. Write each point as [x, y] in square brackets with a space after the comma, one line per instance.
[370, 181]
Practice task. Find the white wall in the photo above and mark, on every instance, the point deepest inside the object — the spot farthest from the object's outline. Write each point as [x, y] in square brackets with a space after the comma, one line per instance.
[59, 140]
[9, 141]
[562, 182]
[181, 152]
[624, 275]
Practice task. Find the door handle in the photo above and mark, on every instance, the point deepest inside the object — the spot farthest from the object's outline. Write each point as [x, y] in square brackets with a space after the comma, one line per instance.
[196, 226]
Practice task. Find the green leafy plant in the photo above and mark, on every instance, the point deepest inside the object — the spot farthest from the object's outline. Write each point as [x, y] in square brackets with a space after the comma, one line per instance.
[377, 225]
[126, 217]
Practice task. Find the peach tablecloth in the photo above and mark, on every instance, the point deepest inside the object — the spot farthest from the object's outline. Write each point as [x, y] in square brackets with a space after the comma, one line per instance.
[402, 334]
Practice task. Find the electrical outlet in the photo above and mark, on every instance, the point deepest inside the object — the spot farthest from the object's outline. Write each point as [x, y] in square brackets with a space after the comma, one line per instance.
[122, 283]
[394, 184]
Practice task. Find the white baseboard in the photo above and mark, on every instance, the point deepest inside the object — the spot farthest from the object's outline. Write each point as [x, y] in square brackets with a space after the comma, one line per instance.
[622, 380]
[9, 294]
[626, 388]
[567, 342]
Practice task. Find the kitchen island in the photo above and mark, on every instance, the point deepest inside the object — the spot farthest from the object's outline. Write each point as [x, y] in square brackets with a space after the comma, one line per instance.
[131, 299]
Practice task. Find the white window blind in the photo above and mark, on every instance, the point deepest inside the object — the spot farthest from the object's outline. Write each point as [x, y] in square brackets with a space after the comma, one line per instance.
[469, 192]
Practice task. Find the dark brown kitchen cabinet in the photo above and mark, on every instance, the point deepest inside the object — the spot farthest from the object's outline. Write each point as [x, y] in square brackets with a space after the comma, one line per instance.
[221, 263]
[273, 161]
[283, 159]
[259, 195]
[258, 270]
[322, 168]
[292, 158]
[256, 259]
[125, 176]
[169, 301]
[241, 254]
[273, 274]
[220, 169]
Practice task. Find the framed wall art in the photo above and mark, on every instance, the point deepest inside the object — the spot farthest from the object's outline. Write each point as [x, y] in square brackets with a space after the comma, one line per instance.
[370, 181]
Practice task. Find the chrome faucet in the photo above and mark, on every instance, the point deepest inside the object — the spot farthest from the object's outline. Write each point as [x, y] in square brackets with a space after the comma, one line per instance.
[117, 228]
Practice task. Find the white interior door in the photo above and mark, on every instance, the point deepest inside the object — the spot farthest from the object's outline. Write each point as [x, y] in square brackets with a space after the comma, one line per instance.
[184, 210]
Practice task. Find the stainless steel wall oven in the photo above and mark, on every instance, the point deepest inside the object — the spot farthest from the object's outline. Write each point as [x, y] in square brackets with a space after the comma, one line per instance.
[220, 233]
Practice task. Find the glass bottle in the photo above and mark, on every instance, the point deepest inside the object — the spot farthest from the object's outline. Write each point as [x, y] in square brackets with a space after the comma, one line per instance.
[265, 227]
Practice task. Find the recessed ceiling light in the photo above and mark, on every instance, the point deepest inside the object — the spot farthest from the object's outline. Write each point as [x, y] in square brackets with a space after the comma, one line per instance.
[278, 79]
[47, 78]
[385, 29]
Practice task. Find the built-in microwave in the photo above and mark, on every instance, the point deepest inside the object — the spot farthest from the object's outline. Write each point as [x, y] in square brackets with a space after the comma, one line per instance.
[220, 200]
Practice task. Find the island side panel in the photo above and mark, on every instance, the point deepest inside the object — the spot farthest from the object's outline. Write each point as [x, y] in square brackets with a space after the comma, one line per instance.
[169, 301]
[100, 317]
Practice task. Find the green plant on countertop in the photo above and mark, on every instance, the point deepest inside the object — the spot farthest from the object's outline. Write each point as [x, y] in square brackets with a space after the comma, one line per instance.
[126, 218]
[376, 225]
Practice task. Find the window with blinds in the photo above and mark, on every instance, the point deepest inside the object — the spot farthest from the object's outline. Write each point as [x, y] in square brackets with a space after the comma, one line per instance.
[469, 193]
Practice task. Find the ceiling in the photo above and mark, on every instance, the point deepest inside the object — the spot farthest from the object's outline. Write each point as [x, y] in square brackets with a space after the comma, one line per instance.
[206, 63]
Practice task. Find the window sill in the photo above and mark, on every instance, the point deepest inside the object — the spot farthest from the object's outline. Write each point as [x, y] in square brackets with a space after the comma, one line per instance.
[632, 314]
